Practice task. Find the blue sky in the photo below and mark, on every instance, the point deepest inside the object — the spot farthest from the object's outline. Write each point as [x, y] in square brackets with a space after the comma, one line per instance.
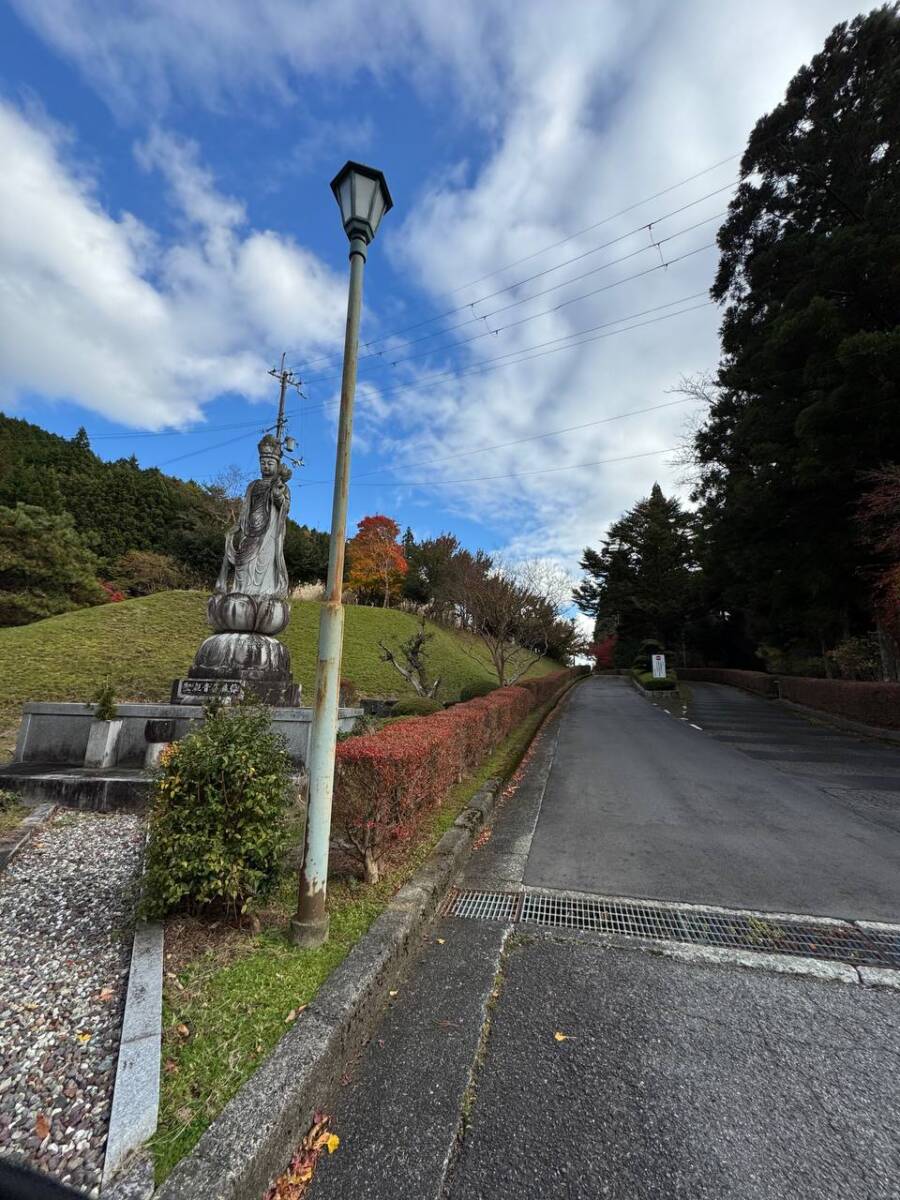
[167, 229]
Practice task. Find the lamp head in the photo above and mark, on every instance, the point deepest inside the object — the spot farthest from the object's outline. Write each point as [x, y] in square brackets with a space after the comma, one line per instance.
[363, 198]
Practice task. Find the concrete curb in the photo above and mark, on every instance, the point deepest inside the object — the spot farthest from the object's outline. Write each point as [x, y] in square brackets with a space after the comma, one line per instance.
[20, 837]
[135, 1105]
[645, 692]
[251, 1140]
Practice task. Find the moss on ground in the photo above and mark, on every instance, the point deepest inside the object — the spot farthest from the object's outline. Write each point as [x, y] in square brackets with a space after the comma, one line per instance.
[140, 646]
[223, 1016]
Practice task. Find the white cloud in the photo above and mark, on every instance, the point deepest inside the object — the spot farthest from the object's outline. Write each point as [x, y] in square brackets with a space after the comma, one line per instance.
[578, 110]
[97, 309]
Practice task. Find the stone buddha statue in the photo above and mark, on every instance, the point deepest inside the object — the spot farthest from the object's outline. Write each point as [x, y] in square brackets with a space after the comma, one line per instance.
[254, 548]
[249, 605]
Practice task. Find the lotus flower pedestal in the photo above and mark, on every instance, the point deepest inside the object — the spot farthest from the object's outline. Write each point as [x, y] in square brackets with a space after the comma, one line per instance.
[243, 656]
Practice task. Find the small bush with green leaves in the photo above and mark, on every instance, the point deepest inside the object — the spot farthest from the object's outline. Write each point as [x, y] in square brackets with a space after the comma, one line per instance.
[217, 825]
[105, 703]
[474, 691]
[650, 684]
[8, 800]
[416, 706]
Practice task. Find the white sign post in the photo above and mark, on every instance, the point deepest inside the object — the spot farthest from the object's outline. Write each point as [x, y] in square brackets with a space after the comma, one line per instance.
[659, 666]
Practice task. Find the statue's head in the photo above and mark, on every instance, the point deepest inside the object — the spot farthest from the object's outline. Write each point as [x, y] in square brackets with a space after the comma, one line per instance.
[269, 456]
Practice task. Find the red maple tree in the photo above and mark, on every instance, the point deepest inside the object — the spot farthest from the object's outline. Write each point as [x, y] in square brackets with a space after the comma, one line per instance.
[602, 652]
[377, 564]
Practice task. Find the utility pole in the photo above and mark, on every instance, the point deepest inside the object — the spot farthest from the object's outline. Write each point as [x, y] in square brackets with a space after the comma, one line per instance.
[287, 379]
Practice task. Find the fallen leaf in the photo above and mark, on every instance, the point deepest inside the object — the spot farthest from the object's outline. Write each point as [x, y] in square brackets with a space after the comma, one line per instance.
[42, 1126]
[106, 993]
[83, 1036]
[171, 1067]
[440, 941]
[182, 1030]
[562, 1037]
[184, 1115]
[292, 1016]
[393, 993]
[333, 1142]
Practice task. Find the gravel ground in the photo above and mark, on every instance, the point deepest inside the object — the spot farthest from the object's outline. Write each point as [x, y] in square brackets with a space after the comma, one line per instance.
[66, 914]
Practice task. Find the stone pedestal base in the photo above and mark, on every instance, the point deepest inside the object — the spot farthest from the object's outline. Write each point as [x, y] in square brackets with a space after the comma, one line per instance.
[231, 691]
[230, 666]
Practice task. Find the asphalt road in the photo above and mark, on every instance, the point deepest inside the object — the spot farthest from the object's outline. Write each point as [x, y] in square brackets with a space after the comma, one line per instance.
[568, 1065]
[642, 804]
[680, 1080]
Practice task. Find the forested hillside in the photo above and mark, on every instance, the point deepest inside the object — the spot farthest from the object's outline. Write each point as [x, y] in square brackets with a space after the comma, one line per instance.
[97, 512]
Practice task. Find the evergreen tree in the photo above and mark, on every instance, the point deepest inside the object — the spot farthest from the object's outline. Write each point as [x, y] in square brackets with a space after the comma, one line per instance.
[807, 388]
[45, 567]
[643, 581]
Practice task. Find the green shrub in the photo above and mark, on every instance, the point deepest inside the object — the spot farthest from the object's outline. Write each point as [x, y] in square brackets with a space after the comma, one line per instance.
[105, 702]
[416, 706]
[647, 681]
[474, 691]
[217, 827]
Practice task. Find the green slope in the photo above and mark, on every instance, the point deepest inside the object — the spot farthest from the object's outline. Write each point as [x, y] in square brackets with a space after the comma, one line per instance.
[142, 645]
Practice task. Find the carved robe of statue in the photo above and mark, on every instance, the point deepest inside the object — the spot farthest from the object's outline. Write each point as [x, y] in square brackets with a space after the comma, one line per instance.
[254, 547]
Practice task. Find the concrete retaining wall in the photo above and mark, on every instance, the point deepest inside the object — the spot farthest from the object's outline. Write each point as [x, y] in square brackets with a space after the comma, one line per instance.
[58, 732]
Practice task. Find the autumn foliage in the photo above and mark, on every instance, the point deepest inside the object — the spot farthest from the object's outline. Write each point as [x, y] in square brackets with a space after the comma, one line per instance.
[377, 564]
[602, 652]
[386, 781]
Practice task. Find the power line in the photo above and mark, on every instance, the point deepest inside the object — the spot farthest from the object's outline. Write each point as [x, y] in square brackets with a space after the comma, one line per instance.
[474, 320]
[524, 354]
[532, 437]
[206, 430]
[605, 221]
[661, 266]
[647, 225]
[600, 462]
[205, 449]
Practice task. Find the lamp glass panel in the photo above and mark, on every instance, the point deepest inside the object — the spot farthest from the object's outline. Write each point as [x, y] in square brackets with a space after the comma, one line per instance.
[377, 208]
[344, 193]
[365, 191]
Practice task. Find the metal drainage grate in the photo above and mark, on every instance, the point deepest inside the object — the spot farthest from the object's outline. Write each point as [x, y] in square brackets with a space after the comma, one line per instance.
[484, 906]
[839, 942]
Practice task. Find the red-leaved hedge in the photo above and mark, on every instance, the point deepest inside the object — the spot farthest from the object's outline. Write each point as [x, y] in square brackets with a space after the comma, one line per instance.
[871, 703]
[386, 781]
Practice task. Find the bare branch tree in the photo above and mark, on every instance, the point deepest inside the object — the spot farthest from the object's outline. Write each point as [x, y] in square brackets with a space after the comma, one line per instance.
[413, 668]
[702, 388]
[227, 489]
[514, 612]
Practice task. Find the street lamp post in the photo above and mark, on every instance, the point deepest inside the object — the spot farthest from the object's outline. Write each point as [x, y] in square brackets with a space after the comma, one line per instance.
[363, 197]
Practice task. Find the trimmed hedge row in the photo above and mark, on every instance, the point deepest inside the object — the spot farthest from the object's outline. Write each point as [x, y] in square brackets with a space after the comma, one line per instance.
[871, 703]
[386, 781]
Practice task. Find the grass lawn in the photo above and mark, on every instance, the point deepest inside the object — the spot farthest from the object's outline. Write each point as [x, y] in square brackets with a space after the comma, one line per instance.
[140, 646]
[12, 812]
[228, 999]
